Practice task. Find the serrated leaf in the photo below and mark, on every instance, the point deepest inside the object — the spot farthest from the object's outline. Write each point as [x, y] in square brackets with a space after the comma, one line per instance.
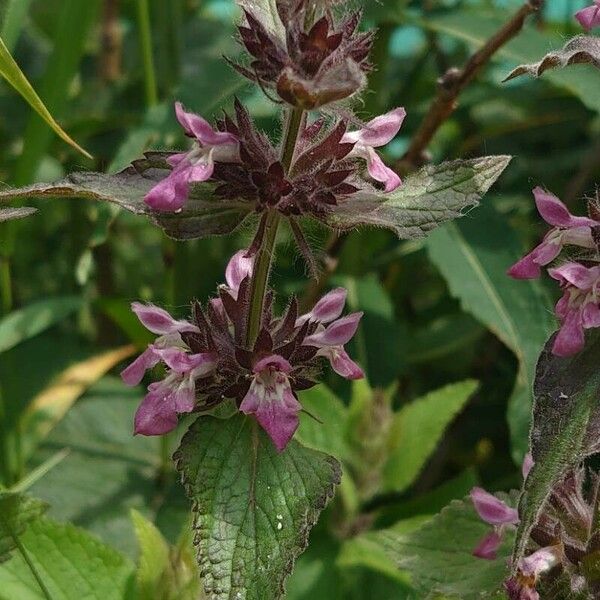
[417, 429]
[16, 512]
[253, 507]
[473, 256]
[71, 563]
[203, 214]
[566, 425]
[27, 322]
[439, 555]
[583, 49]
[425, 200]
[8, 214]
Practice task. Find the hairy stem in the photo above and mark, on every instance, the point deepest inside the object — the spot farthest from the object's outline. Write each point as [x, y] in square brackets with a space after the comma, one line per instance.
[455, 81]
[264, 256]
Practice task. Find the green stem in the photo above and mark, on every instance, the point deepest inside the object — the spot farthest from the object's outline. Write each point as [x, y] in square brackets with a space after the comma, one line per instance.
[264, 257]
[31, 566]
[5, 285]
[146, 48]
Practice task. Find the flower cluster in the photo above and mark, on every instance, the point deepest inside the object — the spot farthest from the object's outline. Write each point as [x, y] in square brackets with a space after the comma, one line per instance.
[308, 64]
[207, 359]
[560, 539]
[579, 307]
[589, 17]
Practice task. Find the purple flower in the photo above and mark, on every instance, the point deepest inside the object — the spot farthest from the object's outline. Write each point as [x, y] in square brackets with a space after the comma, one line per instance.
[578, 308]
[589, 17]
[378, 132]
[568, 229]
[272, 401]
[529, 569]
[197, 165]
[327, 309]
[238, 268]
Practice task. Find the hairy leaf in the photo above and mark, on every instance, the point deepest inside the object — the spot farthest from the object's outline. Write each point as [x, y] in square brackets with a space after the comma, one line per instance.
[253, 507]
[473, 256]
[7, 214]
[583, 49]
[71, 563]
[202, 216]
[16, 512]
[426, 199]
[566, 425]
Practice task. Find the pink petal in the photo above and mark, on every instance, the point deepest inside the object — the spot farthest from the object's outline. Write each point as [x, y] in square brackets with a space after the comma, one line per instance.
[576, 274]
[379, 171]
[590, 315]
[589, 17]
[528, 463]
[491, 509]
[487, 548]
[579, 236]
[570, 339]
[541, 561]
[554, 212]
[341, 363]
[184, 397]
[327, 309]
[380, 131]
[238, 268]
[134, 373]
[158, 320]
[194, 125]
[275, 362]
[526, 268]
[338, 333]
[170, 194]
[156, 415]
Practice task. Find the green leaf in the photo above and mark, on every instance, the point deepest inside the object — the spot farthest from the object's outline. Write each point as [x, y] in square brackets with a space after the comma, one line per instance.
[10, 70]
[17, 511]
[25, 323]
[566, 425]
[202, 216]
[583, 49]
[71, 563]
[253, 507]
[439, 555]
[473, 256]
[477, 26]
[417, 429]
[425, 200]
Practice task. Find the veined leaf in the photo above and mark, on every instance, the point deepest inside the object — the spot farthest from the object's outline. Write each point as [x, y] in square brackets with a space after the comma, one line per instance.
[583, 49]
[16, 512]
[566, 425]
[417, 429]
[253, 507]
[473, 256]
[10, 70]
[425, 200]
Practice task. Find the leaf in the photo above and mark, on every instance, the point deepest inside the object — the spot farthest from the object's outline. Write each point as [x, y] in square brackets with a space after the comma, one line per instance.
[439, 554]
[51, 405]
[202, 216]
[7, 214]
[72, 564]
[583, 49]
[25, 323]
[253, 508]
[566, 425]
[426, 199]
[10, 70]
[473, 256]
[17, 511]
[417, 429]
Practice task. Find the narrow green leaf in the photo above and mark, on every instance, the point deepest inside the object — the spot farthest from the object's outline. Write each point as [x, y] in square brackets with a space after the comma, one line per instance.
[14, 15]
[417, 429]
[10, 70]
[17, 511]
[72, 564]
[566, 426]
[473, 256]
[253, 507]
[25, 323]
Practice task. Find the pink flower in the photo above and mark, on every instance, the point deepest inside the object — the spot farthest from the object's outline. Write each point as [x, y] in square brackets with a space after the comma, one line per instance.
[589, 17]
[327, 309]
[238, 268]
[330, 341]
[271, 399]
[568, 229]
[197, 165]
[578, 308]
[176, 393]
[378, 132]
[529, 569]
